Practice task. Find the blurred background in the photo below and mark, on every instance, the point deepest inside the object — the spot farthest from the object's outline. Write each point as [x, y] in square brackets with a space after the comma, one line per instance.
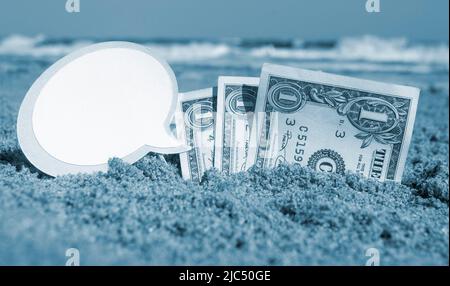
[406, 42]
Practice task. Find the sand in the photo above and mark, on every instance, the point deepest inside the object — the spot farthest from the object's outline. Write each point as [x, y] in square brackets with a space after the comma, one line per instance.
[146, 214]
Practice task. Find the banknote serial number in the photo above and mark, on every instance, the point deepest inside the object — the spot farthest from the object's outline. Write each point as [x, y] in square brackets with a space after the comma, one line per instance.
[302, 137]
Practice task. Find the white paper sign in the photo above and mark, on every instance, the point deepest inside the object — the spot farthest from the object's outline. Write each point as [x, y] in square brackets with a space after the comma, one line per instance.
[113, 99]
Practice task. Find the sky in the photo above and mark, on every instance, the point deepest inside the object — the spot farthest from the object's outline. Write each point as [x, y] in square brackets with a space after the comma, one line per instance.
[303, 19]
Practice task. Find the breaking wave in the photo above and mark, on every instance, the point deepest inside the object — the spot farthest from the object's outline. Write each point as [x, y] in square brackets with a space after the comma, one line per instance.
[365, 53]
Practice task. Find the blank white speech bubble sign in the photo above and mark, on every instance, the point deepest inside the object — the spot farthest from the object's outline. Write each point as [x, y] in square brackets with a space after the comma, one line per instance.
[113, 99]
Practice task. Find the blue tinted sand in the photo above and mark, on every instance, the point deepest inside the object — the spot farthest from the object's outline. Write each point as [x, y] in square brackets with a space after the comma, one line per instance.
[146, 214]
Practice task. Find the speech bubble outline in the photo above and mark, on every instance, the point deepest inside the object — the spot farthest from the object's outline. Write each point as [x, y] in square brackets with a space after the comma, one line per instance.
[45, 161]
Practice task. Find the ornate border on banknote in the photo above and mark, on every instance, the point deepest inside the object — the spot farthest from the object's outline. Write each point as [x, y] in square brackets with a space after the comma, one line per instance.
[232, 92]
[236, 100]
[192, 104]
[382, 113]
[342, 100]
[192, 154]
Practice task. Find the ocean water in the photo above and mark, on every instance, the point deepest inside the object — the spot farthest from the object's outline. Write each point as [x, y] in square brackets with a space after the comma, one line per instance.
[146, 214]
[198, 62]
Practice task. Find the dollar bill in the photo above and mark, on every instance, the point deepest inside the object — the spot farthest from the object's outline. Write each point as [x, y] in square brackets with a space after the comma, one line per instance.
[332, 123]
[195, 121]
[236, 99]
